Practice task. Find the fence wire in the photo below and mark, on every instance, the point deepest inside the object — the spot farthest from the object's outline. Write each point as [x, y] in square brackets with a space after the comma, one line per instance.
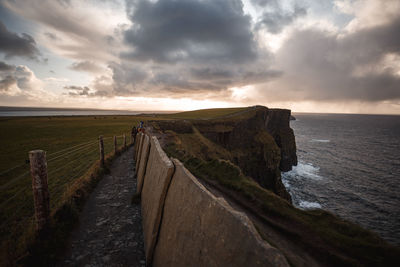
[64, 167]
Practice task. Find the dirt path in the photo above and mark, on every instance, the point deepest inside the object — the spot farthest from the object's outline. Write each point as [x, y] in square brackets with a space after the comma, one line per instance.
[110, 230]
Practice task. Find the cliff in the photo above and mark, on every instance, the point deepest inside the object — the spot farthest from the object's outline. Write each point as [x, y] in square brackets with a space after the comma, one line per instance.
[258, 140]
[200, 206]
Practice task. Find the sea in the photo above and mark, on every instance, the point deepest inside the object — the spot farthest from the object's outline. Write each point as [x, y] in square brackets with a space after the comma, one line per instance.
[349, 165]
[38, 112]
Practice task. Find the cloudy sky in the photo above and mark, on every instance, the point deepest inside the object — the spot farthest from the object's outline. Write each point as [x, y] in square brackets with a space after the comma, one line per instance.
[306, 55]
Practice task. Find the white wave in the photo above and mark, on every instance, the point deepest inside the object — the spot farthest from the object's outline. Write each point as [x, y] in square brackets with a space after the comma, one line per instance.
[285, 182]
[303, 170]
[309, 205]
[320, 140]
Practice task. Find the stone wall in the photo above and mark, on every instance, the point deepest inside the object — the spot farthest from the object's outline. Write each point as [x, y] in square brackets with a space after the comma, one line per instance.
[137, 143]
[141, 170]
[155, 185]
[186, 225]
[139, 149]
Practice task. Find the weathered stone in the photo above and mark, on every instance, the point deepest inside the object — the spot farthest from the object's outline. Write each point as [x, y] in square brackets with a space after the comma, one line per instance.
[140, 171]
[156, 181]
[137, 144]
[199, 228]
[139, 150]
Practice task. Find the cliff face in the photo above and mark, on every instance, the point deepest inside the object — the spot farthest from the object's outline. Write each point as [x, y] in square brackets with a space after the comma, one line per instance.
[277, 125]
[232, 156]
[260, 141]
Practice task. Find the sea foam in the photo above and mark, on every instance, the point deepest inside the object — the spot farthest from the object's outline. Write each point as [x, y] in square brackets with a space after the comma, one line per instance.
[320, 140]
[309, 205]
[304, 170]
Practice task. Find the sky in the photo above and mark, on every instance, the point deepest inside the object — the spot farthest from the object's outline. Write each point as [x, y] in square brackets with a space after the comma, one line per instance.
[339, 56]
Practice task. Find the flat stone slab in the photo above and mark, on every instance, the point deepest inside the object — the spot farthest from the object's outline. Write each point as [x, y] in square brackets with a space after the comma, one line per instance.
[156, 181]
[110, 229]
[143, 163]
[198, 229]
[137, 144]
[138, 149]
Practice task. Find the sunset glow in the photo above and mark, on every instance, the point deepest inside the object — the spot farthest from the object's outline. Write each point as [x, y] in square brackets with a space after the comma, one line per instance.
[309, 56]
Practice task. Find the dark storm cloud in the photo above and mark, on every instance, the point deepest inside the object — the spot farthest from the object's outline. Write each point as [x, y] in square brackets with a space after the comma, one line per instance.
[188, 48]
[323, 66]
[127, 79]
[211, 74]
[5, 67]
[171, 30]
[178, 84]
[68, 27]
[12, 44]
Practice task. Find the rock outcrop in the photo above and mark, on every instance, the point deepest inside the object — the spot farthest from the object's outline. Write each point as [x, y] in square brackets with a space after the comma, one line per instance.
[261, 142]
[277, 125]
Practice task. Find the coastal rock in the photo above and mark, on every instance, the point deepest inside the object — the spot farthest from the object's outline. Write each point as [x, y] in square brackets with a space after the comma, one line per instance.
[277, 125]
[261, 142]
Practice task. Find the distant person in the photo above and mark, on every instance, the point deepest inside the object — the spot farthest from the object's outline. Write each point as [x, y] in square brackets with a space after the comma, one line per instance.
[141, 127]
[134, 132]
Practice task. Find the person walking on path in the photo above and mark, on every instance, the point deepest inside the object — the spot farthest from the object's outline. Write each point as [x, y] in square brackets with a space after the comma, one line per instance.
[133, 133]
[141, 127]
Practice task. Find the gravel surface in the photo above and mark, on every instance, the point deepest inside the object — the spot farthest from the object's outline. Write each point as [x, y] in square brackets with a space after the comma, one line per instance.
[110, 230]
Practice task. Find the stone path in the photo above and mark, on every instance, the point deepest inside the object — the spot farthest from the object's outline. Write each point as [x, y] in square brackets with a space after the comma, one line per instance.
[110, 230]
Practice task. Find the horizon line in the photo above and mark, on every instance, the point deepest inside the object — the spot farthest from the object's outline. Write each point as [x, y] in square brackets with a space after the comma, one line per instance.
[172, 111]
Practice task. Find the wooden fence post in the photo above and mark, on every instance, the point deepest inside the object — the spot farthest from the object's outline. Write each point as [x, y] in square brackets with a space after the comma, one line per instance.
[124, 141]
[101, 144]
[115, 144]
[41, 198]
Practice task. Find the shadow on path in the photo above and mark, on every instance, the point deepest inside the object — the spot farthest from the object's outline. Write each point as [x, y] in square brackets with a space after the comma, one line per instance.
[110, 227]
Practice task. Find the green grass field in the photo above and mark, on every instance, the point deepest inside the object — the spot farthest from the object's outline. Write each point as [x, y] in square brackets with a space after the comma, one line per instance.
[72, 148]
[204, 113]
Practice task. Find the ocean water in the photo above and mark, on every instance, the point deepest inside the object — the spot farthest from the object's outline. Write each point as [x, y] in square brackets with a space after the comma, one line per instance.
[37, 112]
[350, 166]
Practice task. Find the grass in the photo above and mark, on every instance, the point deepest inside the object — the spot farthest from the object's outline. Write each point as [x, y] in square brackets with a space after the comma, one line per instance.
[43, 249]
[71, 175]
[20, 135]
[204, 113]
